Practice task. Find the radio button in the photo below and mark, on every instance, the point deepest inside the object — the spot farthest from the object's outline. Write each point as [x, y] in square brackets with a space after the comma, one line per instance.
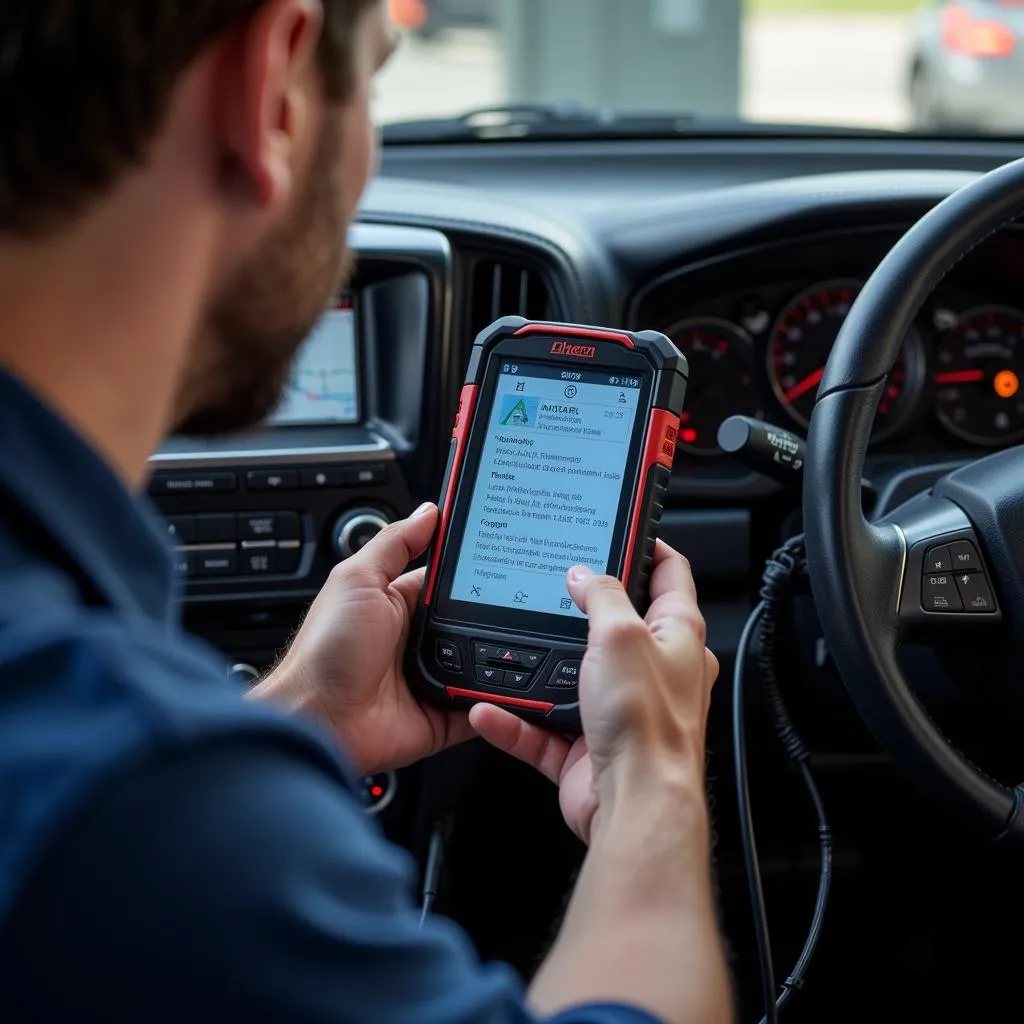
[364, 475]
[181, 529]
[261, 561]
[448, 655]
[257, 526]
[289, 554]
[216, 529]
[319, 479]
[199, 483]
[184, 563]
[565, 676]
[287, 526]
[272, 480]
[217, 563]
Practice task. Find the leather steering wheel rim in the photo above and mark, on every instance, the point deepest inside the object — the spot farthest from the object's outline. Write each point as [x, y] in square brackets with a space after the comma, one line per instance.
[847, 555]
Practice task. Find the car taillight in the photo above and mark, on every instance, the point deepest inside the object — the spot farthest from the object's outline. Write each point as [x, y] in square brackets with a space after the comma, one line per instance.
[964, 33]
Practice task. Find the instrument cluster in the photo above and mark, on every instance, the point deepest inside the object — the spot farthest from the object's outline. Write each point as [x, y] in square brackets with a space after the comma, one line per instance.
[762, 353]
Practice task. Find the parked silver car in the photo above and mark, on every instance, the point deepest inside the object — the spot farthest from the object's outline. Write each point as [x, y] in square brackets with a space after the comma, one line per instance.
[967, 66]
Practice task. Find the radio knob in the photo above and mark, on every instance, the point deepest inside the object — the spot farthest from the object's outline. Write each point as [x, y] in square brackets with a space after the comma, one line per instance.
[244, 674]
[355, 529]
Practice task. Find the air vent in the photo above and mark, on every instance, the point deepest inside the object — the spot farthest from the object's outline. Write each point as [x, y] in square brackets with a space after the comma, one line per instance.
[507, 288]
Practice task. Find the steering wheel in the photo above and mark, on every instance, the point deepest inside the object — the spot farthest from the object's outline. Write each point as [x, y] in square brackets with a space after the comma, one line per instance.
[949, 563]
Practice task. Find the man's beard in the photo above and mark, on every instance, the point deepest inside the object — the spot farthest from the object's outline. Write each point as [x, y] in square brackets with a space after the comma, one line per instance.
[267, 310]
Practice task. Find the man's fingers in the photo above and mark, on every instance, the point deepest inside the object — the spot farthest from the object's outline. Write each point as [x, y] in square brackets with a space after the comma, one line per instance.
[539, 748]
[671, 572]
[409, 587]
[601, 598]
[395, 547]
[674, 598]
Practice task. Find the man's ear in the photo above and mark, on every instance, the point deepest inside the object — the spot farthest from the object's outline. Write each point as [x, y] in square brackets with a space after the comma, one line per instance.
[267, 87]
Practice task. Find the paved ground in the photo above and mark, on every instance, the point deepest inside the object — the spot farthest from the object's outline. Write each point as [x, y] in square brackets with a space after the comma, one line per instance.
[845, 69]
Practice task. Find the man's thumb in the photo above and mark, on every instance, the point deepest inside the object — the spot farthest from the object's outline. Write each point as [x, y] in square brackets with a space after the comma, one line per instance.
[397, 545]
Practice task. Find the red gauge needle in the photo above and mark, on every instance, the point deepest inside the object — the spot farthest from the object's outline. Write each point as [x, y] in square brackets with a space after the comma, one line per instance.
[805, 385]
[960, 377]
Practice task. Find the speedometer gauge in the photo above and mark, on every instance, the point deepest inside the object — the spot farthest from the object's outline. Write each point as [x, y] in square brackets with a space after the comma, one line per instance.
[979, 377]
[800, 346]
[721, 380]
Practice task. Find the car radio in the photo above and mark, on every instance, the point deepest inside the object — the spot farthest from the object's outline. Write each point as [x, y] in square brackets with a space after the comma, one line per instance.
[306, 491]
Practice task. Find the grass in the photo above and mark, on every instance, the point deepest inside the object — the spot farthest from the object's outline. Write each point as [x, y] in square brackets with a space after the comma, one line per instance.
[831, 6]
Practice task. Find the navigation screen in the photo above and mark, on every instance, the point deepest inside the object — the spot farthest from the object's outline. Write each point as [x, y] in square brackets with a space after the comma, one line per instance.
[547, 492]
[323, 387]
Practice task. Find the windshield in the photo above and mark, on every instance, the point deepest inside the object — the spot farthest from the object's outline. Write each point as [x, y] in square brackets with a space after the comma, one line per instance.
[937, 67]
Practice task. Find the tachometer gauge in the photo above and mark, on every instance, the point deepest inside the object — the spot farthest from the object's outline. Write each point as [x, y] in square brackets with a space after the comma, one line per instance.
[799, 349]
[721, 380]
[979, 376]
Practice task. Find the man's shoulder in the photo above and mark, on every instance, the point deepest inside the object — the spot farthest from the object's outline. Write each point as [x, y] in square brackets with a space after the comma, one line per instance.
[88, 695]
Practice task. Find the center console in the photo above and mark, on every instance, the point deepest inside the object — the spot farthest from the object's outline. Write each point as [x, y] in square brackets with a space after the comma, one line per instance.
[258, 521]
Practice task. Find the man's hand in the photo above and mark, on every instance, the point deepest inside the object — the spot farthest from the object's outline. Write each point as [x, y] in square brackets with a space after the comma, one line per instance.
[345, 664]
[645, 689]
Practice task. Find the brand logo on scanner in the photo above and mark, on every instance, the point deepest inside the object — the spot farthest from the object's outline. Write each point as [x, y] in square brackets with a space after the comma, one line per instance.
[563, 348]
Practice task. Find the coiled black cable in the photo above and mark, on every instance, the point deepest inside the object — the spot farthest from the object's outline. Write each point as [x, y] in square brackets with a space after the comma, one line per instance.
[784, 576]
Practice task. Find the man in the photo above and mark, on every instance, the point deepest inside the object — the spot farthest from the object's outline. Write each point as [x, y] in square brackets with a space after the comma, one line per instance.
[176, 180]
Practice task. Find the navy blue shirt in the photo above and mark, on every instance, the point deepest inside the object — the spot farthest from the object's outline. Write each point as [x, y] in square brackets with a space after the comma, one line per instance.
[168, 849]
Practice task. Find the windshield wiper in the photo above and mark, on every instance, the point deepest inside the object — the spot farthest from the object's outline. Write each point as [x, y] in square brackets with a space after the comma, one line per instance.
[530, 120]
[578, 121]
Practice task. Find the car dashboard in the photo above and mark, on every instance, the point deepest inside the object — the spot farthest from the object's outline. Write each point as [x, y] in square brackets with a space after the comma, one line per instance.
[748, 252]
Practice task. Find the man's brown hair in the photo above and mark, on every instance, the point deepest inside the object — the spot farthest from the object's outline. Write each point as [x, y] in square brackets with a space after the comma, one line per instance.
[85, 86]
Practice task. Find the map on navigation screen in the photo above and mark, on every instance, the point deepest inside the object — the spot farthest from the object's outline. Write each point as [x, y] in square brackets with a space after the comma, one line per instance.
[323, 387]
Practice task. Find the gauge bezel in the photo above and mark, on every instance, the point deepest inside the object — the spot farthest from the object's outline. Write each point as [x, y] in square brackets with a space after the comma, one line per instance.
[1006, 441]
[913, 351]
[742, 335]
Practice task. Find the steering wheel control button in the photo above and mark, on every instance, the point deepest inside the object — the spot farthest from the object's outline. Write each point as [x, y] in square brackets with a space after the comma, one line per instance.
[565, 676]
[938, 560]
[939, 594]
[448, 656]
[975, 593]
[965, 557]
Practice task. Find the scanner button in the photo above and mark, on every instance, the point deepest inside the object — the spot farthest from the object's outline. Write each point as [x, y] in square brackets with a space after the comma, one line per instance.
[482, 653]
[448, 656]
[490, 676]
[518, 680]
[565, 676]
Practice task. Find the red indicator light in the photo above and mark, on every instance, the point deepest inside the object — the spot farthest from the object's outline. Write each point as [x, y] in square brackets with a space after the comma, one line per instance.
[377, 791]
[689, 435]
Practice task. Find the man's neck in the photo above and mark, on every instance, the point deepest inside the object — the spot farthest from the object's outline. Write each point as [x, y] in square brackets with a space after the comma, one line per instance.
[98, 321]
